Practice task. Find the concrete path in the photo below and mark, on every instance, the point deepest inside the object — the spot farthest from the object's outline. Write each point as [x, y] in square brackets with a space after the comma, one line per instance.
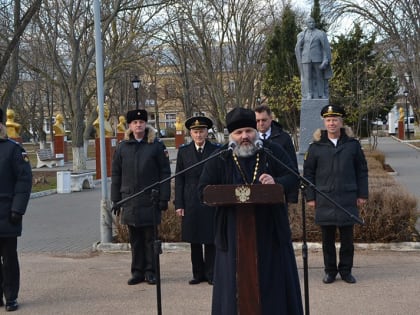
[405, 160]
[61, 275]
[388, 284]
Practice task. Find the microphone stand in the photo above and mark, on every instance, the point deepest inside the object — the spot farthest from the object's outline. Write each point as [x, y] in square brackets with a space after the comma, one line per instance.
[157, 249]
[304, 183]
[304, 251]
[157, 245]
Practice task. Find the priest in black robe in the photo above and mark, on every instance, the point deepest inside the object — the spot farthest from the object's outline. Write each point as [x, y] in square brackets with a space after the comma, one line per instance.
[277, 270]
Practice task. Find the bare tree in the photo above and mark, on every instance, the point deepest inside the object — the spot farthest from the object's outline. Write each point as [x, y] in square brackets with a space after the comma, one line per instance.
[67, 34]
[218, 48]
[9, 38]
[398, 27]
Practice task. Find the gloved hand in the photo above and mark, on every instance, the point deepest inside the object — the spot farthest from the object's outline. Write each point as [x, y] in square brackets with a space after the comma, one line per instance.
[116, 209]
[15, 218]
[163, 205]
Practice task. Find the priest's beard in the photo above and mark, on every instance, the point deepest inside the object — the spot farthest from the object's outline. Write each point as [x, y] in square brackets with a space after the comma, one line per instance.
[244, 149]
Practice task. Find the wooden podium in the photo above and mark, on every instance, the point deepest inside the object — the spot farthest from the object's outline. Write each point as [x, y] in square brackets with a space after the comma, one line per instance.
[244, 198]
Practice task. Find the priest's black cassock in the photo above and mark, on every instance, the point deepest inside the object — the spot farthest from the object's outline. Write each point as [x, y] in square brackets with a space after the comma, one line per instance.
[278, 277]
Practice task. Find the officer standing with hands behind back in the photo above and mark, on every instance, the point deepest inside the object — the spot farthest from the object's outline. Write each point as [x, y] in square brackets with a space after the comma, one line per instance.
[15, 190]
[140, 161]
[197, 218]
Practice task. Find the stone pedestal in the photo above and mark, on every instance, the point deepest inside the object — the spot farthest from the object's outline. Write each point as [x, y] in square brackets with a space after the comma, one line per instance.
[110, 146]
[60, 147]
[310, 120]
[120, 136]
[401, 130]
[179, 138]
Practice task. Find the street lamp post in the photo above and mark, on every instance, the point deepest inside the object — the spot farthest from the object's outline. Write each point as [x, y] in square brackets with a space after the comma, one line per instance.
[136, 85]
[407, 131]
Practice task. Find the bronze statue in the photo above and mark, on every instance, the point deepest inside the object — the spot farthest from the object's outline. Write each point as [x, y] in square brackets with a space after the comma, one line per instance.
[121, 127]
[178, 124]
[58, 127]
[12, 127]
[401, 111]
[109, 132]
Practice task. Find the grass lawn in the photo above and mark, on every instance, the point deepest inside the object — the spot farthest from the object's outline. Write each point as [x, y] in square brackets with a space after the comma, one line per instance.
[44, 180]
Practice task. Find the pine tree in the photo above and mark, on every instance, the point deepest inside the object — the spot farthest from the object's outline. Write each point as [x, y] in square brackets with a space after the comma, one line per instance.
[281, 81]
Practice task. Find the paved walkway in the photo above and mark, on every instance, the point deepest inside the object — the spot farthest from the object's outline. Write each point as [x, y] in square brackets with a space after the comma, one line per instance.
[405, 160]
[60, 274]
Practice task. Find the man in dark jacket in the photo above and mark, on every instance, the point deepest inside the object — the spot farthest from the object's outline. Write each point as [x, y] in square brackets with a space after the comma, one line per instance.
[277, 270]
[271, 131]
[140, 161]
[197, 218]
[335, 163]
[15, 190]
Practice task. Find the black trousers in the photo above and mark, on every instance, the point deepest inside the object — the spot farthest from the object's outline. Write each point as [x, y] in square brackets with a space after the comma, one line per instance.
[10, 273]
[202, 262]
[142, 254]
[346, 253]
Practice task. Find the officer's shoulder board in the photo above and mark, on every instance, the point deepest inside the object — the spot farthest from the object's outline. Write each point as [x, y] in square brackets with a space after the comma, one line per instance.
[23, 152]
[14, 142]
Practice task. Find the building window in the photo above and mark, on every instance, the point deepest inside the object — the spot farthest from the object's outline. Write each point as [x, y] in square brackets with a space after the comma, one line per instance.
[149, 102]
[170, 119]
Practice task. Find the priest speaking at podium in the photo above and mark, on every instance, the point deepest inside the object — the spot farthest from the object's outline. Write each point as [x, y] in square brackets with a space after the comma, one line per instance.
[247, 164]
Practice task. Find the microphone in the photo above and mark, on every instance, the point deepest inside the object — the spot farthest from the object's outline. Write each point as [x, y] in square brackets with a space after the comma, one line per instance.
[259, 144]
[232, 145]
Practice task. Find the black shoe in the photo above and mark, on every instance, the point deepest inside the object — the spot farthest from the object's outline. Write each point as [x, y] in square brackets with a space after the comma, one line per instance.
[11, 306]
[349, 278]
[196, 280]
[151, 279]
[328, 278]
[135, 280]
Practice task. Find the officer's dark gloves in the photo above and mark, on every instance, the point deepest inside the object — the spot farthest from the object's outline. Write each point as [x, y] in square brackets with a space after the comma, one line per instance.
[15, 218]
[163, 205]
[116, 209]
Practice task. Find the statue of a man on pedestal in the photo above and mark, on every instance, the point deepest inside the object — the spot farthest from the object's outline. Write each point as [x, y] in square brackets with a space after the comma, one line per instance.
[313, 54]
